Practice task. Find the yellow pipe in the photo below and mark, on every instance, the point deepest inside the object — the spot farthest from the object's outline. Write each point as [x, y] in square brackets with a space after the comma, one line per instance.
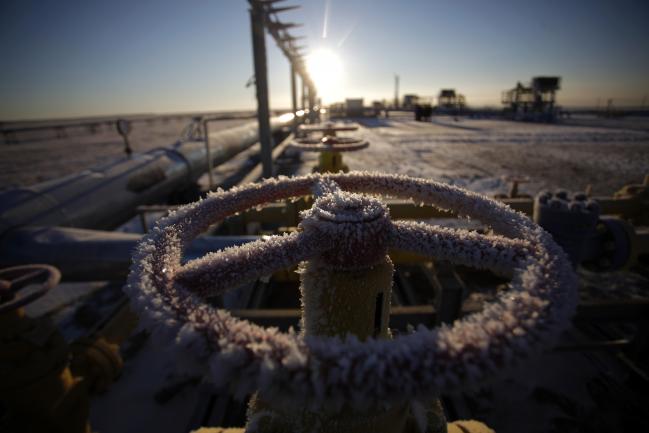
[339, 302]
[331, 162]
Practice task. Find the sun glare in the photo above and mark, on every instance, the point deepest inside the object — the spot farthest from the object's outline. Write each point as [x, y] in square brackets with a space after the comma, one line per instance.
[326, 70]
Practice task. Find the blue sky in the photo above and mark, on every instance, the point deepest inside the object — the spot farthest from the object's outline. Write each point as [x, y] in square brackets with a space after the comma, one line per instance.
[80, 58]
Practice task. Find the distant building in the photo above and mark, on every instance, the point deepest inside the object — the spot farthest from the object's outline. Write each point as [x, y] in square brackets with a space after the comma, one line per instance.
[409, 101]
[535, 101]
[354, 107]
[449, 100]
[377, 107]
[337, 109]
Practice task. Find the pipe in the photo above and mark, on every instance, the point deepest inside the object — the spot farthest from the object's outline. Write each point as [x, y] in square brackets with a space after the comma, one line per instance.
[105, 196]
[90, 255]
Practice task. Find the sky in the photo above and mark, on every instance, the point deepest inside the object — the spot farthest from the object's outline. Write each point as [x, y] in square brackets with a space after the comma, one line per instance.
[77, 58]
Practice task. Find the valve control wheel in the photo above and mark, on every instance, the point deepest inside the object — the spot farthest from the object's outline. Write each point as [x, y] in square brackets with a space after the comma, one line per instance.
[328, 128]
[347, 229]
[16, 278]
[329, 143]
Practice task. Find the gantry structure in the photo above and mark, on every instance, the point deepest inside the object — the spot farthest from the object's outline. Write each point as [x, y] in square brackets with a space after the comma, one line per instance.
[265, 17]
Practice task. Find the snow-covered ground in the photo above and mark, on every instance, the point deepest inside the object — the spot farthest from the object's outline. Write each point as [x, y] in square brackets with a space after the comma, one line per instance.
[43, 157]
[479, 154]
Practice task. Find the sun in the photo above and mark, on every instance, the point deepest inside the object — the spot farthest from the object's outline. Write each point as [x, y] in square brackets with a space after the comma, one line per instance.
[326, 70]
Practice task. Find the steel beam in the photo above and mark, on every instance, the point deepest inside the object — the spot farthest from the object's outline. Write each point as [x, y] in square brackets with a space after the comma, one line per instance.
[294, 98]
[257, 18]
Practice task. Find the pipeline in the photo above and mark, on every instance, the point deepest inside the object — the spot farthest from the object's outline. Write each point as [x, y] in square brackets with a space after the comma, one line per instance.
[105, 196]
[90, 255]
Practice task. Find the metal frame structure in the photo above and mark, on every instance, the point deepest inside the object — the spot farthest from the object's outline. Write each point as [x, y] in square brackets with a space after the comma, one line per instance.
[536, 101]
[264, 17]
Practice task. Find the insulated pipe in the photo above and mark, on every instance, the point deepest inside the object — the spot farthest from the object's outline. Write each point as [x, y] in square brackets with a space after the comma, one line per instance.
[106, 195]
[90, 255]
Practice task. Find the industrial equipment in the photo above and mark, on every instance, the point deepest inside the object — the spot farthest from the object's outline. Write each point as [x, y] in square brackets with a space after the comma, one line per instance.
[533, 102]
[344, 372]
[423, 112]
[448, 101]
[45, 384]
[330, 146]
[354, 107]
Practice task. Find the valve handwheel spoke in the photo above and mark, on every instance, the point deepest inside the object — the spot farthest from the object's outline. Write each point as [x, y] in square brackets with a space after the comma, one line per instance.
[216, 272]
[462, 247]
[344, 228]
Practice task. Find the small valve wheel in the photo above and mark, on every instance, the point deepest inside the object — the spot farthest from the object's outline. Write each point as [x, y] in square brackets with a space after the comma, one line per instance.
[346, 228]
[329, 143]
[328, 128]
[16, 278]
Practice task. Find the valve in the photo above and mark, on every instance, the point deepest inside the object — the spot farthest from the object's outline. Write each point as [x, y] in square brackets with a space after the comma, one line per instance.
[14, 279]
[598, 243]
[330, 143]
[638, 194]
[570, 219]
[36, 385]
[344, 371]
[328, 128]
[97, 360]
[330, 148]
[44, 383]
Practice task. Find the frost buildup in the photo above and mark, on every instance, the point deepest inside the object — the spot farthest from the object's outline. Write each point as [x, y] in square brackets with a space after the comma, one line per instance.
[331, 371]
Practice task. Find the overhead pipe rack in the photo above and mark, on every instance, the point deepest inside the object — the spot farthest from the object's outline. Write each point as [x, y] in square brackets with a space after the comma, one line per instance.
[264, 17]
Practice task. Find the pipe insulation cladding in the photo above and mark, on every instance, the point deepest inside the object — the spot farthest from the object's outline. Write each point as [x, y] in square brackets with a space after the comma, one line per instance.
[91, 255]
[107, 195]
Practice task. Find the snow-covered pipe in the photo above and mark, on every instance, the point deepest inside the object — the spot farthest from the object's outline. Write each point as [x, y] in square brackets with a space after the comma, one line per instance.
[106, 195]
[90, 255]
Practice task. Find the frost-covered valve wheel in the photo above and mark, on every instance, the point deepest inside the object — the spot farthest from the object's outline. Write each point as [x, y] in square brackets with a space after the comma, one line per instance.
[14, 279]
[328, 128]
[330, 143]
[344, 240]
[330, 148]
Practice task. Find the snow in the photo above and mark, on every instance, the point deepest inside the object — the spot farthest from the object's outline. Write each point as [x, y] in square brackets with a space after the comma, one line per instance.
[477, 154]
